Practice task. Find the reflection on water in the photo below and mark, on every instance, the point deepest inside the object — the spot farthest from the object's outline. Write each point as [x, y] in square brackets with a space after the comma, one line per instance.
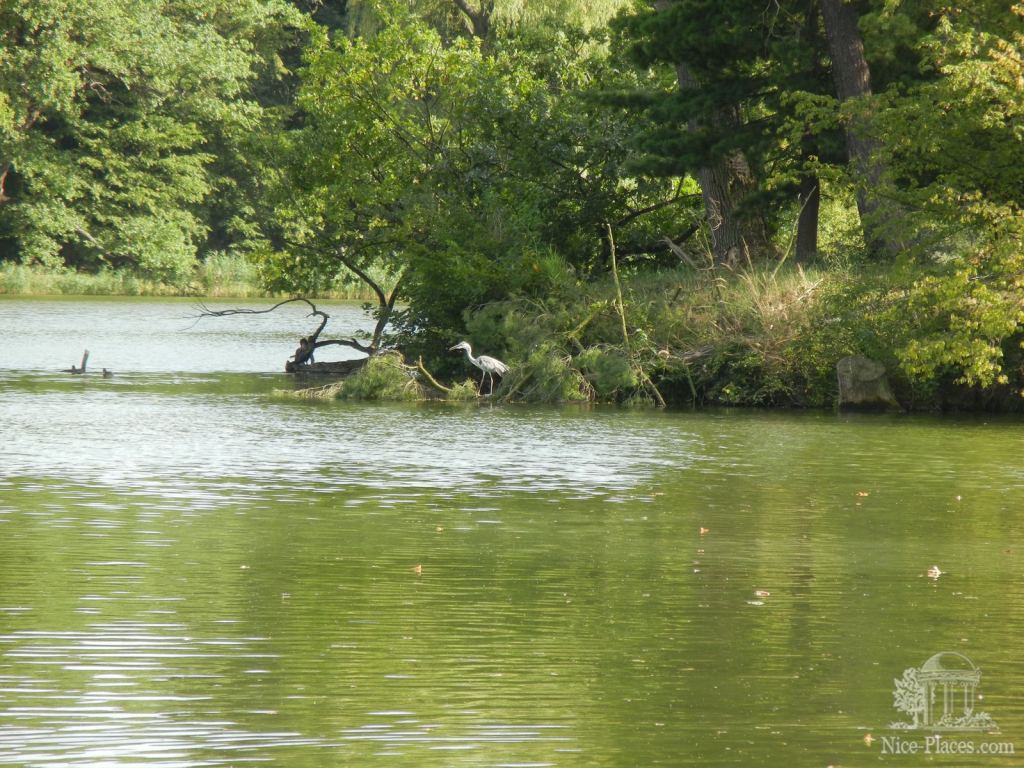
[196, 573]
[160, 335]
[139, 437]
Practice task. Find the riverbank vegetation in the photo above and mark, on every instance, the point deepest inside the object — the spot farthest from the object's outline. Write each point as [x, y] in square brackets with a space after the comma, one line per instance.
[678, 201]
[217, 275]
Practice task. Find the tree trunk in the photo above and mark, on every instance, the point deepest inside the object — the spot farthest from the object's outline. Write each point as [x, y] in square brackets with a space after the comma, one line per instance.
[726, 235]
[849, 67]
[852, 79]
[479, 19]
[4, 170]
[721, 183]
[807, 222]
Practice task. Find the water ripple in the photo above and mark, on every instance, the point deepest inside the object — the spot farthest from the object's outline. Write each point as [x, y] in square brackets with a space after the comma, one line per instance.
[205, 448]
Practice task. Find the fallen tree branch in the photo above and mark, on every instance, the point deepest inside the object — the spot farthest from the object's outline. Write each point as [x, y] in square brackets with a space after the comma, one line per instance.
[307, 345]
[427, 375]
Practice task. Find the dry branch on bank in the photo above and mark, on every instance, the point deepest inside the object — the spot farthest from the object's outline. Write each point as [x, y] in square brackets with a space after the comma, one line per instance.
[302, 361]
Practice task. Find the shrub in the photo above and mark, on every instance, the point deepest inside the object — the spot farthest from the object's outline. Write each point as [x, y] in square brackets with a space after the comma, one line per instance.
[608, 371]
[463, 391]
[547, 375]
[384, 377]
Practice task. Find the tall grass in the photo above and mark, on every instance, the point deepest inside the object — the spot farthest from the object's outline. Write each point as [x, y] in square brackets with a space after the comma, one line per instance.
[227, 275]
[41, 281]
[220, 275]
[739, 336]
[759, 307]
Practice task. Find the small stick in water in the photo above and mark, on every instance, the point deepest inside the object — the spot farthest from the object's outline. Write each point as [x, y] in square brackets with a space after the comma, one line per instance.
[72, 369]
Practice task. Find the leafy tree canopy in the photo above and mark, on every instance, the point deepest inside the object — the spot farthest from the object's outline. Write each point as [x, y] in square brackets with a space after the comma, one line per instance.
[473, 176]
[107, 109]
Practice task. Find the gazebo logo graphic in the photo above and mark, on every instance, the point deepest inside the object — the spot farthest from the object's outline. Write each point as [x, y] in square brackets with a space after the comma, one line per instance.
[940, 695]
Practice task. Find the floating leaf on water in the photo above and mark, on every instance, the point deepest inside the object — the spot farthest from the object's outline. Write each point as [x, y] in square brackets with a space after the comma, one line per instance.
[762, 593]
[704, 531]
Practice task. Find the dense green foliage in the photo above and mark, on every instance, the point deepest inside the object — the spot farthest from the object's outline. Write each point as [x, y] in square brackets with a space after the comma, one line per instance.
[110, 114]
[756, 82]
[608, 196]
[471, 176]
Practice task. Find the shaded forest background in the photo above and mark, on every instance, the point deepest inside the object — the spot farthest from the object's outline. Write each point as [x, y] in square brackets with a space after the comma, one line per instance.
[701, 201]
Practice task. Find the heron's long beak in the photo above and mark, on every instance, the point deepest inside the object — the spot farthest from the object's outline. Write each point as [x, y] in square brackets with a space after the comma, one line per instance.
[452, 349]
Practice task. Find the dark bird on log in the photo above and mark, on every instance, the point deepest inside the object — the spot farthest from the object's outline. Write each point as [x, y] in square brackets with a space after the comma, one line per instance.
[108, 374]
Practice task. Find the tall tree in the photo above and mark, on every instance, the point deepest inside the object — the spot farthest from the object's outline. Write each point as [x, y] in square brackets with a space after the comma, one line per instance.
[852, 78]
[106, 109]
[473, 175]
[662, 34]
[954, 166]
[722, 179]
[747, 85]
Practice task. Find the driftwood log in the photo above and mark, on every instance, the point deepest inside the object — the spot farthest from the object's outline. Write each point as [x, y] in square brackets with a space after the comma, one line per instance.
[336, 368]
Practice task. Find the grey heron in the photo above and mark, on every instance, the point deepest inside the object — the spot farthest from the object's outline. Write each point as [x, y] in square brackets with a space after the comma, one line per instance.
[488, 365]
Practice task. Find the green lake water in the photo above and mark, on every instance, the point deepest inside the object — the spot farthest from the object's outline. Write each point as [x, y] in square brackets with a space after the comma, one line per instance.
[194, 572]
